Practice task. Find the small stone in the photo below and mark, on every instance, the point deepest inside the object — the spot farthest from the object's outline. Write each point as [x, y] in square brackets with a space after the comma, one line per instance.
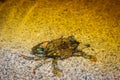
[96, 69]
[39, 75]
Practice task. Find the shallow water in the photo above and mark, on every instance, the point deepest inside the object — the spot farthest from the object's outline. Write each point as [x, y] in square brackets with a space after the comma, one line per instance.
[25, 23]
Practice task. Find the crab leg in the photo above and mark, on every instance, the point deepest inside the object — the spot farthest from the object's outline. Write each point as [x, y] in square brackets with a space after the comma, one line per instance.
[56, 70]
[86, 56]
[31, 58]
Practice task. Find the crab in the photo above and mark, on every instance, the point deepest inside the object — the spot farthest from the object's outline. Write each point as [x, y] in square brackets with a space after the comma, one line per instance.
[59, 49]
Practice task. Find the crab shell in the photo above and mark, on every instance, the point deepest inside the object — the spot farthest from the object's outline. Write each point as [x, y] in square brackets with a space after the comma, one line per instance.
[44, 44]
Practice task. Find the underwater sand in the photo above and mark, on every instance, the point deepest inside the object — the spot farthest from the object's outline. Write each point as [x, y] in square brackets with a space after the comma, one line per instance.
[25, 23]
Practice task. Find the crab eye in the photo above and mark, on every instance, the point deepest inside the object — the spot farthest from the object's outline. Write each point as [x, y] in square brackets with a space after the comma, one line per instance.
[40, 48]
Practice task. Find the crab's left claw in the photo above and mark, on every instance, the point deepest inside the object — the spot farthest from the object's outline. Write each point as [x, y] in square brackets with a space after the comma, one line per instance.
[93, 58]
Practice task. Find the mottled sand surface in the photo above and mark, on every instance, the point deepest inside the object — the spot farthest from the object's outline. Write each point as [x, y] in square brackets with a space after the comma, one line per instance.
[25, 23]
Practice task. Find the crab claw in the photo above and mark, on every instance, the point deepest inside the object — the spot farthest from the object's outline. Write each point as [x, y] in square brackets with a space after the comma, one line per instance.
[93, 58]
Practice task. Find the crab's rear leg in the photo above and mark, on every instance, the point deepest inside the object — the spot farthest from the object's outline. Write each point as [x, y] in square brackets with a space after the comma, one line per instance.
[56, 70]
[86, 56]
